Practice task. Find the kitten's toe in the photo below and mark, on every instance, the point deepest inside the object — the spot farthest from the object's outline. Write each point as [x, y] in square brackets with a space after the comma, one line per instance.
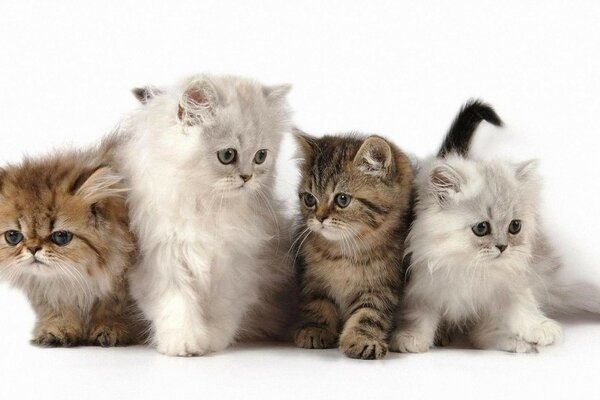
[363, 347]
[409, 342]
[545, 333]
[109, 336]
[56, 337]
[315, 338]
[182, 345]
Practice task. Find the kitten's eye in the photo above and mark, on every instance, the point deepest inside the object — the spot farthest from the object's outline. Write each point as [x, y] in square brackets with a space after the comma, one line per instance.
[227, 156]
[309, 200]
[13, 237]
[482, 229]
[61, 238]
[342, 200]
[515, 226]
[260, 156]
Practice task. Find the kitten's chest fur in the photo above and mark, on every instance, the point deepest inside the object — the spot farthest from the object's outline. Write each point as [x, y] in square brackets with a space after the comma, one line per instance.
[344, 274]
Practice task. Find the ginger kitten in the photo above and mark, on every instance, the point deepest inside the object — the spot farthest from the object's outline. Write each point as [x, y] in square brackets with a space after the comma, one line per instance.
[65, 242]
[355, 197]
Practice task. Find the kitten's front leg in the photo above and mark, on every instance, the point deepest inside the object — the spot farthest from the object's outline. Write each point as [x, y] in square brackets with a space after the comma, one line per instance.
[367, 327]
[320, 320]
[112, 324]
[416, 331]
[57, 327]
[521, 327]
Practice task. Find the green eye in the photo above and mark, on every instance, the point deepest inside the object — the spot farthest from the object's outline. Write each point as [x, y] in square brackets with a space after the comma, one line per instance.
[342, 200]
[260, 156]
[227, 156]
[482, 229]
[13, 237]
[515, 226]
[61, 238]
[309, 200]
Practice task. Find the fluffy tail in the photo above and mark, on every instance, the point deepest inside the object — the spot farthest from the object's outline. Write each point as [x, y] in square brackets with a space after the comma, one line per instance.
[572, 299]
[463, 127]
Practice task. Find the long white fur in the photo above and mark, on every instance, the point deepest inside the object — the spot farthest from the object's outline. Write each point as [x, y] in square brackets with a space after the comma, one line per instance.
[213, 266]
[460, 281]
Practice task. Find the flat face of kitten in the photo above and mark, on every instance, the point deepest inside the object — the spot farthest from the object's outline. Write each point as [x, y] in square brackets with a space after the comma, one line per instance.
[349, 185]
[488, 209]
[52, 221]
[239, 125]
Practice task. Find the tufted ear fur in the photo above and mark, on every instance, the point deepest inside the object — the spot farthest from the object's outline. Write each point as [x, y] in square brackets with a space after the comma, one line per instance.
[197, 103]
[526, 170]
[445, 181]
[146, 93]
[374, 157]
[277, 93]
[305, 142]
[98, 185]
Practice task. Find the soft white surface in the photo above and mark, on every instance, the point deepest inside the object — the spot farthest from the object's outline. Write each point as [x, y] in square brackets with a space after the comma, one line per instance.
[398, 70]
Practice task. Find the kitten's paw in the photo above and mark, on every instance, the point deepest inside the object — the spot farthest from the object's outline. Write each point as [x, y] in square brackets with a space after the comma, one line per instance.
[409, 342]
[109, 336]
[182, 344]
[363, 347]
[545, 333]
[57, 336]
[315, 338]
[515, 345]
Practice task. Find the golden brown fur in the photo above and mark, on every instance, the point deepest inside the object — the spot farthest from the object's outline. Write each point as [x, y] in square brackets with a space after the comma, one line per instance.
[350, 276]
[78, 289]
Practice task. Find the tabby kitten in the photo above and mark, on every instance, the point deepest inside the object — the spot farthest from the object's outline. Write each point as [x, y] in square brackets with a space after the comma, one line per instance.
[355, 198]
[65, 242]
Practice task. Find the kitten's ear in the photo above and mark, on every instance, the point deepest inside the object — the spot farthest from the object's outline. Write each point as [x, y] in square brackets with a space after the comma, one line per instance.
[374, 157]
[99, 184]
[277, 93]
[305, 142]
[197, 103]
[445, 181]
[526, 170]
[144, 94]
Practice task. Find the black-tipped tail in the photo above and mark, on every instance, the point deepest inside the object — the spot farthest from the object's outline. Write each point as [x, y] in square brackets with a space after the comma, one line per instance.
[458, 139]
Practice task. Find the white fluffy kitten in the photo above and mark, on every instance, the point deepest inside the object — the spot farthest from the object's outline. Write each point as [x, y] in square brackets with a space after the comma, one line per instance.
[200, 162]
[480, 261]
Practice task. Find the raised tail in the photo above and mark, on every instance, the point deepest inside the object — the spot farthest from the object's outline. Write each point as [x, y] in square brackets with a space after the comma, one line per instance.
[572, 299]
[458, 139]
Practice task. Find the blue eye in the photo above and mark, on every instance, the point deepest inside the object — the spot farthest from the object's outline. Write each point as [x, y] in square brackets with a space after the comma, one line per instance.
[515, 226]
[481, 229]
[342, 200]
[309, 200]
[227, 156]
[260, 156]
[61, 238]
[13, 237]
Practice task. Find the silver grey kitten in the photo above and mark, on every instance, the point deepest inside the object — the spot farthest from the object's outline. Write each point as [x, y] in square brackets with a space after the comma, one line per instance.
[481, 262]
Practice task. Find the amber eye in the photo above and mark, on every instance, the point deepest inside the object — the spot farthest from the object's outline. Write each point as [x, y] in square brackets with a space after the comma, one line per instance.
[13, 237]
[515, 226]
[260, 156]
[309, 200]
[61, 238]
[342, 200]
[482, 229]
[227, 156]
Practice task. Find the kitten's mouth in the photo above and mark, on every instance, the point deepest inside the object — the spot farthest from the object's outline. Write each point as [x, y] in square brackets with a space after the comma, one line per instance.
[38, 263]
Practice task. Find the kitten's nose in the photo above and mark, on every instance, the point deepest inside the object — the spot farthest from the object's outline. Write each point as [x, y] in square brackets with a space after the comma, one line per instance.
[501, 247]
[245, 178]
[321, 217]
[34, 250]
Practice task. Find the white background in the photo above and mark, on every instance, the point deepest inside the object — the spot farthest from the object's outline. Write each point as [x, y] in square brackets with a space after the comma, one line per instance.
[384, 67]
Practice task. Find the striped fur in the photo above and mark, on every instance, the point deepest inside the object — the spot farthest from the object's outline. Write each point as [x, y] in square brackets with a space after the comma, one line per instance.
[349, 258]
